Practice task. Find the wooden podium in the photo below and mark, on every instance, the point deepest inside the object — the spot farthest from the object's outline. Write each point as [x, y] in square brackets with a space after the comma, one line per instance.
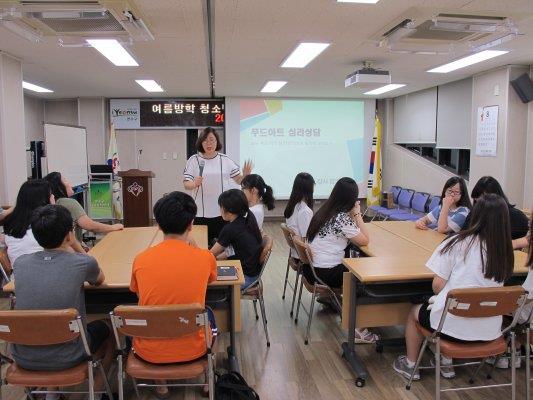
[137, 197]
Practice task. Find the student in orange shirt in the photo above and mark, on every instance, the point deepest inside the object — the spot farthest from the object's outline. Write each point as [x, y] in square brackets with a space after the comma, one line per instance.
[173, 272]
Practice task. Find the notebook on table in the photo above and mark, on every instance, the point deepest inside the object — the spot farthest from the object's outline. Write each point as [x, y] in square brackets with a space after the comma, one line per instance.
[227, 273]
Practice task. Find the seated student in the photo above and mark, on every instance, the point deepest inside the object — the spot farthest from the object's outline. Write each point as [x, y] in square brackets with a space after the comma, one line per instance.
[519, 221]
[480, 256]
[4, 214]
[173, 272]
[259, 195]
[450, 215]
[18, 234]
[337, 224]
[241, 238]
[52, 279]
[299, 210]
[62, 191]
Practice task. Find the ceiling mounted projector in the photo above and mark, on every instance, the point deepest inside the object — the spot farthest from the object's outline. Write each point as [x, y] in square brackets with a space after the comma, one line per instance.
[368, 76]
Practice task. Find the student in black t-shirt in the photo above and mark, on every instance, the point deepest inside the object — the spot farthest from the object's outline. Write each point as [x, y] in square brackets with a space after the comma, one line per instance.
[519, 221]
[240, 239]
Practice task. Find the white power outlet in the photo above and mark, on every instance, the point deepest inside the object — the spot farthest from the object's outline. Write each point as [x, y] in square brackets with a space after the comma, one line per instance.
[165, 156]
[174, 156]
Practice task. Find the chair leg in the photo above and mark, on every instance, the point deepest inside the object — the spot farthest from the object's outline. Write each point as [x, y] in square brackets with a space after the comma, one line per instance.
[29, 393]
[310, 319]
[91, 380]
[286, 277]
[418, 361]
[295, 291]
[120, 378]
[263, 314]
[299, 300]
[437, 369]
[476, 371]
[255, 310]
[211, 378]
[106, 381]
[528, 365]
[513, 367]
[135, 387]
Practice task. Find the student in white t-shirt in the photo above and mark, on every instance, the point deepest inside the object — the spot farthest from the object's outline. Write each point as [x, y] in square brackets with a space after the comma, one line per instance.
[18, 235]
[450, 215]
[336, 224]
[259, 196]
[480, 256]
[299, 210]
[207, 175]
[528, 283]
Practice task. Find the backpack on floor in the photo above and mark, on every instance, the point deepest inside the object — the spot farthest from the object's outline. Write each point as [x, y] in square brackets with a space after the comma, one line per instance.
[232, 386]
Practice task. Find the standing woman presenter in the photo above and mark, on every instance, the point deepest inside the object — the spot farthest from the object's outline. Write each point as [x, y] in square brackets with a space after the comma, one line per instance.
[209, 173]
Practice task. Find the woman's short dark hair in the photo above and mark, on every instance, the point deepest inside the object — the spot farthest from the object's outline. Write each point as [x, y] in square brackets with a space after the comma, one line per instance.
[203, 136]
[174, 212]
[50, 225]
[58, 188]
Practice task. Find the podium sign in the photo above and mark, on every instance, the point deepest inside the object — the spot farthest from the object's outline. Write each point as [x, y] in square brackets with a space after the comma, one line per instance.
[137, 197]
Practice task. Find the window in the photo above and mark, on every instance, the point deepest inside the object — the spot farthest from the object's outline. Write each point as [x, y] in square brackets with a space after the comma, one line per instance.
[454, 160]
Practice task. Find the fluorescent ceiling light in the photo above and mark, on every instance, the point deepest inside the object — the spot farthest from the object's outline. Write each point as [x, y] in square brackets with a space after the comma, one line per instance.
[273, 86]
[35, 88]
[149, 85]
[385, 89]
[114, 52]
[303, 54]
[466, 61]
[358, 1]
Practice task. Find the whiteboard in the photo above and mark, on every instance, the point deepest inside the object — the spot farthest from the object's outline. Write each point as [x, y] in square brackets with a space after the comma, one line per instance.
[66, 152]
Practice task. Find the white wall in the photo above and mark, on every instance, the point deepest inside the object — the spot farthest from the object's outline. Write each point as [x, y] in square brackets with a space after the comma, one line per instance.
[528, 179]
[34, 118]
[92, 115]
[61, 112]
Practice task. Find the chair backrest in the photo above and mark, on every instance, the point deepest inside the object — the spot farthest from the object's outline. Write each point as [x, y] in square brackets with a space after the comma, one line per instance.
[395, 193]
[433, 203]
[485, 302]
[304, 251]
[288, 233]
[266, 250]
[405, 197]
[40, 327]
[161, 322]
[419, 201]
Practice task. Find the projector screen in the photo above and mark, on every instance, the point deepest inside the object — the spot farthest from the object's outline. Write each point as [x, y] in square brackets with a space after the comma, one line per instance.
[327, 138]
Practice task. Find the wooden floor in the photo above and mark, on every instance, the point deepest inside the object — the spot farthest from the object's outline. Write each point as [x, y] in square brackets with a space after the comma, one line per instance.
[291, 370]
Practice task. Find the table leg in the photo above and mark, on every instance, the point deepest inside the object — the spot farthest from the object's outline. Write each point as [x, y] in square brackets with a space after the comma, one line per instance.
[348, 348]
[232, 358]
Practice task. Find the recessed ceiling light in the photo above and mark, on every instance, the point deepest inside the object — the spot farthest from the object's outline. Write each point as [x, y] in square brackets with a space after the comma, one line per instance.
[358, 1]
[385, 89]
[466, 61]
[149, 85]
[114, 52]
[273, 86]
[303, 54]
[35, 88]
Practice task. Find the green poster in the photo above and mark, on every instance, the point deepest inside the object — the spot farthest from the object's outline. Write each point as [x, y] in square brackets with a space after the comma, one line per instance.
[101, 200]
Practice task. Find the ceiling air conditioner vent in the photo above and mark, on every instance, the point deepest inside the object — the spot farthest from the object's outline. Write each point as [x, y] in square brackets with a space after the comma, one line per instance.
[85, 22]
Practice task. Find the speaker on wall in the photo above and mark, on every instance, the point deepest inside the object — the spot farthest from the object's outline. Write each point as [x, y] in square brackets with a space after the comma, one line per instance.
[523, 85]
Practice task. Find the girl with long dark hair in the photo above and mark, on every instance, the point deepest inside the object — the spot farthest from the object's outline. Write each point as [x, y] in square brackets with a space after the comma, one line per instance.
[299, 210]
[337, 224]
[241, 238]
[450, 215]
[480, 256]
[259, 196]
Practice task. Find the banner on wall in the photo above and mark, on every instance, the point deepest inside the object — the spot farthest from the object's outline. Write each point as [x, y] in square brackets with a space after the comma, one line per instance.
[374, 172]
[166, 113]
[101, 205]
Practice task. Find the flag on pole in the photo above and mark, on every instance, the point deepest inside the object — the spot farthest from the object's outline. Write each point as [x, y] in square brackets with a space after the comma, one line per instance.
[114, 162]
[374, 172]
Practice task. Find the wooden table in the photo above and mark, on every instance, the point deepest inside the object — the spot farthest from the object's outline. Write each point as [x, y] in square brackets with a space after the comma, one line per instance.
[115, 254]
[395, 260]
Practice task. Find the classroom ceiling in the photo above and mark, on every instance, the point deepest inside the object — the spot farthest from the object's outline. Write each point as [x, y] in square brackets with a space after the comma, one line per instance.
[251, 39]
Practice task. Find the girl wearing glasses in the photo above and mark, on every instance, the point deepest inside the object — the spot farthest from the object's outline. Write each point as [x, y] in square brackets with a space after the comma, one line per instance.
[451, 214]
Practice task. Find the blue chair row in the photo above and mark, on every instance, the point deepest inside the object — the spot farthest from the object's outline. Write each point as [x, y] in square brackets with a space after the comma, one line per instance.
[410, 205]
